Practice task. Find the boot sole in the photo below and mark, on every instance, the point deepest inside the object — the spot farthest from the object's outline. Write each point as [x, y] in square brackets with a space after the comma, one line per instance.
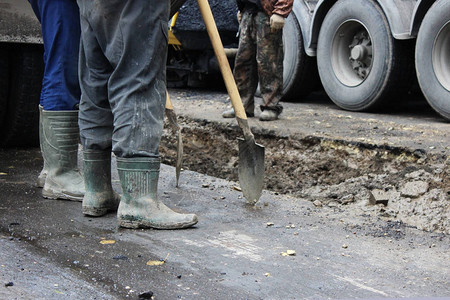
[141, 224]
[95, 211]
[48, 194]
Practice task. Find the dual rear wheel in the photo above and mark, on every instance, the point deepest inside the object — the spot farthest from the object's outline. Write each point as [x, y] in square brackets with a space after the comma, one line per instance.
[362, 67]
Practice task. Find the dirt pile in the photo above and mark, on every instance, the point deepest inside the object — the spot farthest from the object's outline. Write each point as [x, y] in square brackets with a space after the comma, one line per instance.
[394, 183]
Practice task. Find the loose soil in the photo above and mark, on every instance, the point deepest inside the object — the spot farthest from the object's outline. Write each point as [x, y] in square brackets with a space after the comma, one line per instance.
[400, 186]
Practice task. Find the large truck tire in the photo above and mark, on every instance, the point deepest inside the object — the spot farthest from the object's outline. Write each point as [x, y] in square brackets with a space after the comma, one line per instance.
[20, 126]
[433, 57]
[300, 75]
[360, 64]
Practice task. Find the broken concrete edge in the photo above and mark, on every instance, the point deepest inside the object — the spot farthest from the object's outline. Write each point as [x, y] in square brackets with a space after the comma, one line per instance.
[262, 133]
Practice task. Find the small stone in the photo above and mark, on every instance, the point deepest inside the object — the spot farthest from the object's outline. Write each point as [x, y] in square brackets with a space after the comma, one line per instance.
[120, 257]
[146, 295]
[347, 199]
[414, 189]
[345, 246]
[317, 203]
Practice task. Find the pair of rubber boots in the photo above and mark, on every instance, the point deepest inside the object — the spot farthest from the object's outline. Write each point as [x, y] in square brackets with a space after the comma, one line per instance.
[61, 179]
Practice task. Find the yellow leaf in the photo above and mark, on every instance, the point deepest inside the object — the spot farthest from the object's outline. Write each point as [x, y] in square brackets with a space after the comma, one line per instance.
[107, 242]
[155, 262]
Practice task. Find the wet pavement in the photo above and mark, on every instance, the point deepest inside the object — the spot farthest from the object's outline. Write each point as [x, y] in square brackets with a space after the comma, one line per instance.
[282, 248]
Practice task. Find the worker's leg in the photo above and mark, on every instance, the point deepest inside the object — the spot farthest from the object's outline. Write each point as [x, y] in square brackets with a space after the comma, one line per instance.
[270, 56]
[60, 25]
[96, 123]
[60, 95]
[136, 92]
[245, 68]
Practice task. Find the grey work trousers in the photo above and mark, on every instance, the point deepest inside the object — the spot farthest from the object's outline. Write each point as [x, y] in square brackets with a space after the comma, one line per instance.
[123, 54]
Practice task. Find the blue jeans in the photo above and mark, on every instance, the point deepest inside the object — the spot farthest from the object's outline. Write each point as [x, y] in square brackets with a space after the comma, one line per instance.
[60, 25]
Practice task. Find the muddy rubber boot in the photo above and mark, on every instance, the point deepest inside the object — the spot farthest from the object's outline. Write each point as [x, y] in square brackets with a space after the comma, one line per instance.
[140, 206]
[231, 114]
[41, 178]
[100, 197]
[60, 151]
[268, 115]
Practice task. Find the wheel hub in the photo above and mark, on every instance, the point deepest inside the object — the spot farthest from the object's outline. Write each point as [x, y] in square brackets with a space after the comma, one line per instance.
[352, 53]
[361, 54]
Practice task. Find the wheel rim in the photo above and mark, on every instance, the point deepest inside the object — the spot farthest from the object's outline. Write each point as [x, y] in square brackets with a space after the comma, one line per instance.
[441, 56]
[352, 53]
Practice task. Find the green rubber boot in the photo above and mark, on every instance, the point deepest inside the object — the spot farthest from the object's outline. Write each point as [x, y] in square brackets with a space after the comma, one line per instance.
[41, 178]
[140, 206]
[59, 143]
[99, 197]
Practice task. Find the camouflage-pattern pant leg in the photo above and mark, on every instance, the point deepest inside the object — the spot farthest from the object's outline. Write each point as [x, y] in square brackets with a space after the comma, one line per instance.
[259, 58]
[245, 68]
[269, 57]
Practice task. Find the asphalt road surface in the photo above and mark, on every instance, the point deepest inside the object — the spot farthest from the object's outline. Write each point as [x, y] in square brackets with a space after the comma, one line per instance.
[283, 248]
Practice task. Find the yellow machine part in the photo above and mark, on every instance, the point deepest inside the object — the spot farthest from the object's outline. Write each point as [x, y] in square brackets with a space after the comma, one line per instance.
[172, 39]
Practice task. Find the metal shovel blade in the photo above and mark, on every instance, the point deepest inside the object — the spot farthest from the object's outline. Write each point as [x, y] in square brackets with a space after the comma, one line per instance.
[172, 117]
[251, 169]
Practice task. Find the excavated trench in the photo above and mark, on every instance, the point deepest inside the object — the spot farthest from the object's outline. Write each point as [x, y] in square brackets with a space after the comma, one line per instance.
[394, 183]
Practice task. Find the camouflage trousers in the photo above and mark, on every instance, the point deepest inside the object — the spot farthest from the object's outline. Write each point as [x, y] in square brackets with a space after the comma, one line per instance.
[259, 59]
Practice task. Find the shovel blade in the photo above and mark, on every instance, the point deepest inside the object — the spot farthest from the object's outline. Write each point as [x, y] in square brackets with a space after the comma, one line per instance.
[251, 169]
[179, 155]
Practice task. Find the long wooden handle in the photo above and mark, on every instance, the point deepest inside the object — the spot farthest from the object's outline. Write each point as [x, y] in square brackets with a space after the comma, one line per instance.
[216, 42]
[168, 102]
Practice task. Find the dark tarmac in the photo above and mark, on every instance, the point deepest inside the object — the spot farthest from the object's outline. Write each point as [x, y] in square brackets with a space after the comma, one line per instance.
[49, 250]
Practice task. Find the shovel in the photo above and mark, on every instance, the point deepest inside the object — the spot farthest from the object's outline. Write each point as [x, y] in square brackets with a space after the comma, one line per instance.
[251, 155]
[172, 117]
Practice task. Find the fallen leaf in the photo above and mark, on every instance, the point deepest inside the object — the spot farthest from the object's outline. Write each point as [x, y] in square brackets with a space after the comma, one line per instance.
[157, 262]
[107, 242]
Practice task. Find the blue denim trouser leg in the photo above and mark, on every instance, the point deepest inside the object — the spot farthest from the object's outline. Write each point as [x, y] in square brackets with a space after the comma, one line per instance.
[60, 25]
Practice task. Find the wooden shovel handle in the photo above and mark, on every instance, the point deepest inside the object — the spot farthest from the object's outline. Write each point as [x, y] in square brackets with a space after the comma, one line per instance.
[168, 102]
[216, 42]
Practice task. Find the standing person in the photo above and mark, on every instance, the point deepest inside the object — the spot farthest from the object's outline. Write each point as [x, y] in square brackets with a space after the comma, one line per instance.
[60, 96]
[260, 55]
[122, 75]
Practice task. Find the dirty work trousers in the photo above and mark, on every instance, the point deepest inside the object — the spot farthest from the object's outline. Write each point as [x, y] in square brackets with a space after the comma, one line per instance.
[259, 58]
[123, 55]
[60, 26]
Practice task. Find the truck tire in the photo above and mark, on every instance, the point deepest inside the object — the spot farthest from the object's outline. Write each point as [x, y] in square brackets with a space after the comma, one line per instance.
[360, 64]
[433, 57]
[20, 127]
[4, 80]
[300, 75]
